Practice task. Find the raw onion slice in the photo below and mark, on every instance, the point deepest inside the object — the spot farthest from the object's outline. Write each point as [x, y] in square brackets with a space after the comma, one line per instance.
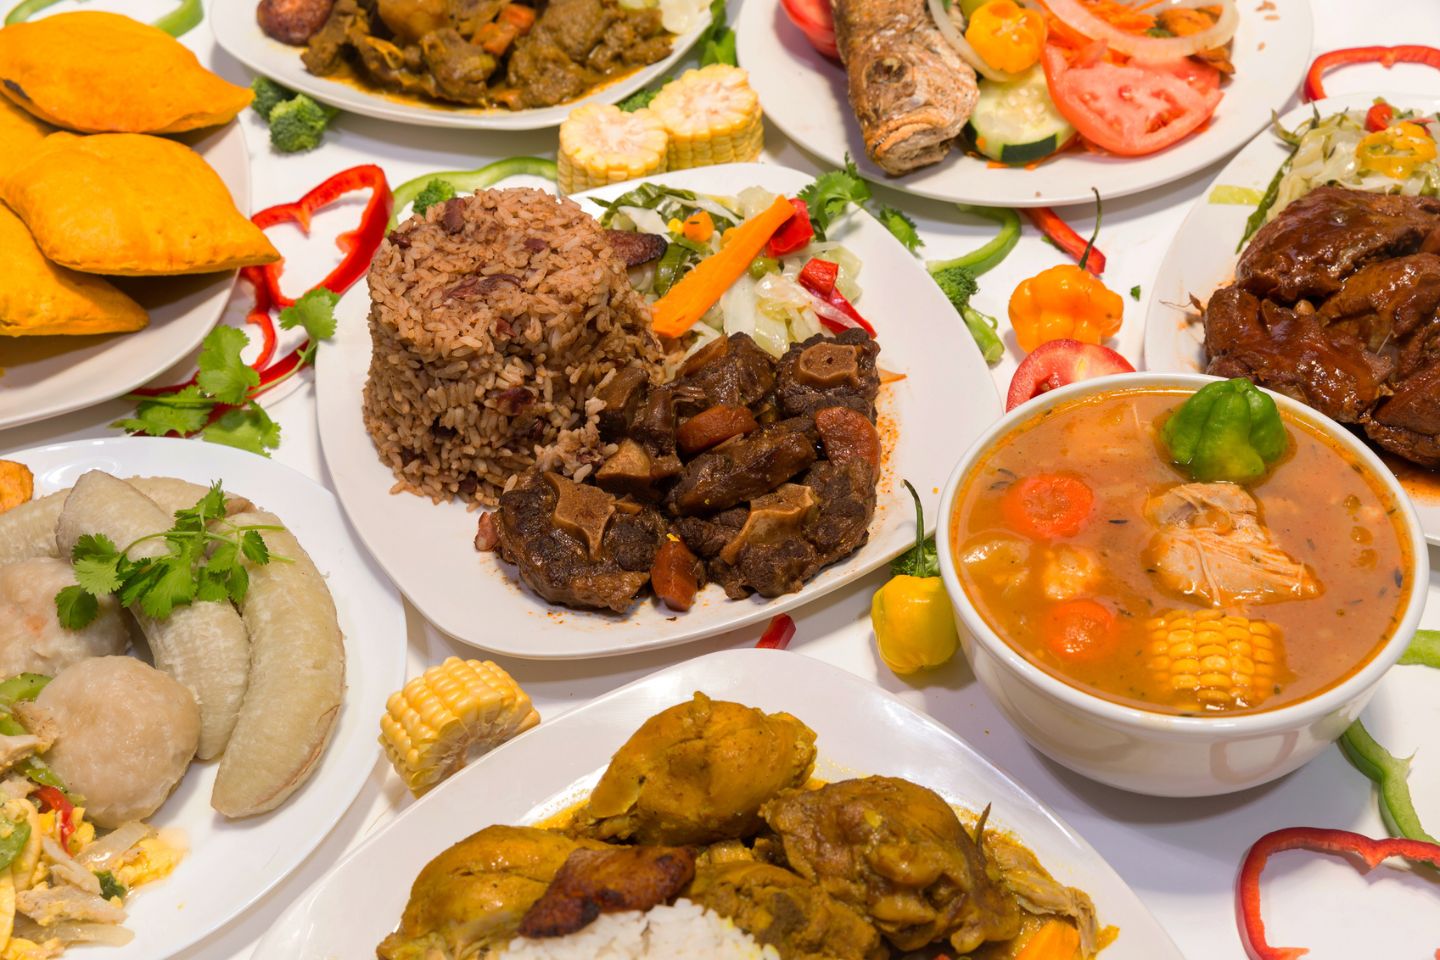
[113, 844]
[962, 46]
[1146, 49]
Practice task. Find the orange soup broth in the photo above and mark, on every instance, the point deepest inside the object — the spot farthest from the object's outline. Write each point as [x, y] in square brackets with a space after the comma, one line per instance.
[1320, 506]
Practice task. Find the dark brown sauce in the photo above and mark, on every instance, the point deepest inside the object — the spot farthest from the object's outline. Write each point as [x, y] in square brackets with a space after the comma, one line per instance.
[347, 75]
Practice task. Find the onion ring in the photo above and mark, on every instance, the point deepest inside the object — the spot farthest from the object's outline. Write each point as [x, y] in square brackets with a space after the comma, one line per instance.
[1142, 48]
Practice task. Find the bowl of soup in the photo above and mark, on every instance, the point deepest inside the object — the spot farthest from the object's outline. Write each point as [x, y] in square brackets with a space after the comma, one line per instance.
[1163, 634]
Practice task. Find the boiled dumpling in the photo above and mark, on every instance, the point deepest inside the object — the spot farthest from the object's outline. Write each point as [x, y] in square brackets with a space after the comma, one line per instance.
[131, 205]
[40, 299]
[31, 638]
[124, 735]
[106, 73]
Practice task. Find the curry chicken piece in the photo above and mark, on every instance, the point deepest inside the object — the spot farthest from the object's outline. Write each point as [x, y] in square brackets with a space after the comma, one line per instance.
[612, 880]
[897, 852]
[698, 772]
[1212, 546]
[474, 895]
[784, 910]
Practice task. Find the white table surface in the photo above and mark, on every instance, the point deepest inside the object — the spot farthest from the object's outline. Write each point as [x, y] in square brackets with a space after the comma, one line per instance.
[1180, 856]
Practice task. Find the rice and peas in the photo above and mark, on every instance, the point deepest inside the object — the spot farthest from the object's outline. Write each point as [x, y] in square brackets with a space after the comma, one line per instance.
[494, 319]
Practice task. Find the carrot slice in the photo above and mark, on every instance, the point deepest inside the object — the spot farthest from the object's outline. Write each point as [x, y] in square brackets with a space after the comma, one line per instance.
[1079, 630]
[698, 290]
[1047, 506]
[1057, 940]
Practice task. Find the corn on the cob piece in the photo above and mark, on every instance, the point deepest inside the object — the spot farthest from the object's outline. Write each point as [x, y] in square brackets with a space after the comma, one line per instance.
[712, 116]
[600, 144]
[1210, 660]
[431, 725]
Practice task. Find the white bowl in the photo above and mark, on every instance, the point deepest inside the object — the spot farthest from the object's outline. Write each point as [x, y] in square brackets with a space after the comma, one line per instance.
[1155, 753]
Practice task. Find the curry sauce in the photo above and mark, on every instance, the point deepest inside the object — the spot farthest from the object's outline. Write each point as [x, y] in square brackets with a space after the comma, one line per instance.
[1327, 519]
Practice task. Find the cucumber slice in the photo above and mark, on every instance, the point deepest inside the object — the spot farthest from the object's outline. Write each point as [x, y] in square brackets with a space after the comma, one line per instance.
[1017, 122]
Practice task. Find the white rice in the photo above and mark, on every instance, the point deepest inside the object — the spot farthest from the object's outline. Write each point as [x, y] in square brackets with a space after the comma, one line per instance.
[683, 930]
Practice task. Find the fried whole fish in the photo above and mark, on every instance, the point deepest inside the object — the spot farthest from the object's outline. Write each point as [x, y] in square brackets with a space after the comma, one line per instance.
[909, 89]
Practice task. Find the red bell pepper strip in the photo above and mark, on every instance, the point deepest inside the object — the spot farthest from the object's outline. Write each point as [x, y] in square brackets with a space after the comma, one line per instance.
[1343, 842]
[777, 635]
[259, 316]
[359, 245]
[819, 276]
[820, 283]
[52, 799]
[1387, 57]
[1378, 117]
[794, 234]
[1065, 238]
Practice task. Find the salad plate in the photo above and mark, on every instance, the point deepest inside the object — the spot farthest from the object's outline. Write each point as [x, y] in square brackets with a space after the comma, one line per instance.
[239, 33]
[804, 94]
[43, 377]
[1202, 257]
[861, 730]
[945, 399]
[230, 864]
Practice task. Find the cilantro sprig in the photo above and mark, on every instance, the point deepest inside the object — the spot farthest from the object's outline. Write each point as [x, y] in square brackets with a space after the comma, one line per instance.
[220, 406]
[203, 561]
[832, 193]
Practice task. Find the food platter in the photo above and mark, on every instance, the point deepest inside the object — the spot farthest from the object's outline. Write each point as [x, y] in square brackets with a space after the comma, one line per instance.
[230, 864]
[946, 399]
[805, 95]
[47, 376]
[1201, 257]
[861, 729]
[237, 30]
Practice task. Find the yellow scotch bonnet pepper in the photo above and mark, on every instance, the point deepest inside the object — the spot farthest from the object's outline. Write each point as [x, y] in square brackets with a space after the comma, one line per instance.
[1396, 151]
[1008, 36]
[911, 615]
[1066, 302]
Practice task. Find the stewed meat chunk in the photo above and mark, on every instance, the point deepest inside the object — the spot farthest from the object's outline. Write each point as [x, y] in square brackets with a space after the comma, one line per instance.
[829, 371]
[745, 467]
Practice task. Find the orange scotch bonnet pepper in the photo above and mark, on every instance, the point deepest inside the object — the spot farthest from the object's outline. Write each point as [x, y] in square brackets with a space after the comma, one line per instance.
[1066, 303]
[1007, 35]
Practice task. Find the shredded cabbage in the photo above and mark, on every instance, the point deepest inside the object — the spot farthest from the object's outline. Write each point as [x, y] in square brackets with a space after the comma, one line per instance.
[1325, 154]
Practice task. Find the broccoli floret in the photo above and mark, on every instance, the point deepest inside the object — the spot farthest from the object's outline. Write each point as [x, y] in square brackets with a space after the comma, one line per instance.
[436, 191]
[958, 284]
[268, 95]
[298, 124]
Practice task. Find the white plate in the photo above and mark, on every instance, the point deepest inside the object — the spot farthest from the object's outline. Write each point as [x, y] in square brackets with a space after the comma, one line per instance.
[861, 729]
[1202, 258]
[231, 863]
[42, 377]
[944, 402]
[805, 95]
[238, 32]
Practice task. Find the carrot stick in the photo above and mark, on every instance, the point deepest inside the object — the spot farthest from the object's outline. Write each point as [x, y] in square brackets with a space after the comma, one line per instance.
[698, 290]
[1057, 940]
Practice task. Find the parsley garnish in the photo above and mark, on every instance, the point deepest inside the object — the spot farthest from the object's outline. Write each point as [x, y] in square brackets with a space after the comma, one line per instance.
[1135, 293]
[202, 561]
[831, 194]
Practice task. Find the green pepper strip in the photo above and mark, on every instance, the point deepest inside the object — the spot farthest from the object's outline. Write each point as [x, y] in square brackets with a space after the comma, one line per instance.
[986, 257]
[11, 846]
[468, 181]
[1390, 773]
[1424, 650]
[22, 686]
[177, 22]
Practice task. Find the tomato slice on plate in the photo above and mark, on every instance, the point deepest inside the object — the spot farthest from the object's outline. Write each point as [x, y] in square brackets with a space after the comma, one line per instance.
[816, 21]
[1055, 363]
[1134, 108]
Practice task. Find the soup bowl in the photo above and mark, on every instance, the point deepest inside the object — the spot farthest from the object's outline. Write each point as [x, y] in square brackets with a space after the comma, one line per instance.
[1153, 752]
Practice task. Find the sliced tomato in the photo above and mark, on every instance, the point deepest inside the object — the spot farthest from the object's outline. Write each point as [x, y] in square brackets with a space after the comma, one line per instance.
[1079, 631]
[1378, 117]
[816, 21]
[1134, 108]
[1056, 363]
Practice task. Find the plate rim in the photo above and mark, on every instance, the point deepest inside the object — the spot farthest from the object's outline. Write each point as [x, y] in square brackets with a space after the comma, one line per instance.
[756, 14]
[240, 193]
[250, 46]
[359, 775]
[665, 636]
[748, 660]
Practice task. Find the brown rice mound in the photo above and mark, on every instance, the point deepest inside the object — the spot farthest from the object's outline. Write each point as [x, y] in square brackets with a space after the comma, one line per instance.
[493, 320]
